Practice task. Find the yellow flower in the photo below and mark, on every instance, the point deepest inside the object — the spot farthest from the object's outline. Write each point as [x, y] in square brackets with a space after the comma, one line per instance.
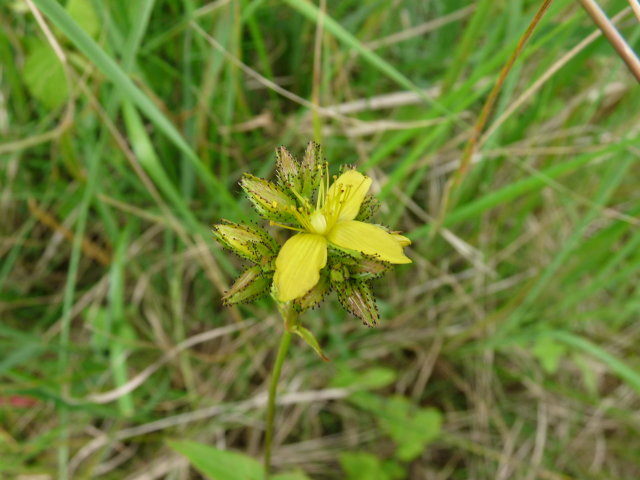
[331, 221]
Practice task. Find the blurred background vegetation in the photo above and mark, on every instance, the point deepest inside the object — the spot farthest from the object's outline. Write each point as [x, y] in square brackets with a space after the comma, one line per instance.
[508, 349]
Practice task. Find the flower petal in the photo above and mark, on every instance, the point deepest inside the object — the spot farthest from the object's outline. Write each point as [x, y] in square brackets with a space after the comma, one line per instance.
[369, 239]
[401, 239]
[298, 265]
[349, 190]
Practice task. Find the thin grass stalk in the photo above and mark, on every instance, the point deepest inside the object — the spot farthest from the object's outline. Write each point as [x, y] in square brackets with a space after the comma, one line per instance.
[317, 64]
[470, 148]
[635, 6]
[610, 31]
[472, 143]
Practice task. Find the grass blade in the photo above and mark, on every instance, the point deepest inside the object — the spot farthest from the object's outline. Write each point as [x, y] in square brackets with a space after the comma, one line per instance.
[117, 75]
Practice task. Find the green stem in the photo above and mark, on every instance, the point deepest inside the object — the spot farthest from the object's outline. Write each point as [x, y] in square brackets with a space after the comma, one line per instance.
[285, 341]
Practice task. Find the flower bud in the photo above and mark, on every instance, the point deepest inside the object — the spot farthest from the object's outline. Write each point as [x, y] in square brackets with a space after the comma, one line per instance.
[368, 268]
[269, 200]
[252, 243]
[338, 272]
[356, 297]
[288, 171]
[312, 166]
[252, 284]
[369, 207]
[312, 156]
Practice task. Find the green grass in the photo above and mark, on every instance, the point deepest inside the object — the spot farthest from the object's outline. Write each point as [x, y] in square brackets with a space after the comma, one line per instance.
[517, 321]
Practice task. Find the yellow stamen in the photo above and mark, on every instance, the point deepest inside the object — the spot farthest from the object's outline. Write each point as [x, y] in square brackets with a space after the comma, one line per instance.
[303, 200]
[272, 223]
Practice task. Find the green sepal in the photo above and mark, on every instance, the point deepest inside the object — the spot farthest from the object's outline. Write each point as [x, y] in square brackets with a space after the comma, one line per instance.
[357, 299]
[252, 243]
[269, 200]
[303, 178]
[338, 273]
[253, 283]
[310, 339]
[268, 264]
[344, 255]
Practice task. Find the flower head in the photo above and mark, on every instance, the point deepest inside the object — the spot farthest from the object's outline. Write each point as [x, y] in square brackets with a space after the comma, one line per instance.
[333, 247]
[330, 222]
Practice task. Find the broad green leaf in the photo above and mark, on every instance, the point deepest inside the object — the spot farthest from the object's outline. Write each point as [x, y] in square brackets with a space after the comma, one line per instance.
[217, 464]
[44, 76]
[310, 339]
[370, 379]
[411, 428]
[549, 353]
[365, 466]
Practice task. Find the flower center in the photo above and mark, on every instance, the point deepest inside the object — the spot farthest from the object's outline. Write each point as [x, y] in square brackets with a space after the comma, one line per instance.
[330, 200]
[318, 222]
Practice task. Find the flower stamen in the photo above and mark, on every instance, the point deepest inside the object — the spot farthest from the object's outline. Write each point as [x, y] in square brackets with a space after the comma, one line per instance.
[276, 224]
[303, 200]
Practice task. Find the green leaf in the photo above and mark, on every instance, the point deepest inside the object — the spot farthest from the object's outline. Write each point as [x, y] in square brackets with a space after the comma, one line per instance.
[83, 13]
[44, 76]
[218, 464]
[409, 427]
[549, 353]
[370, 379]
[310, 339]
[365, 466]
